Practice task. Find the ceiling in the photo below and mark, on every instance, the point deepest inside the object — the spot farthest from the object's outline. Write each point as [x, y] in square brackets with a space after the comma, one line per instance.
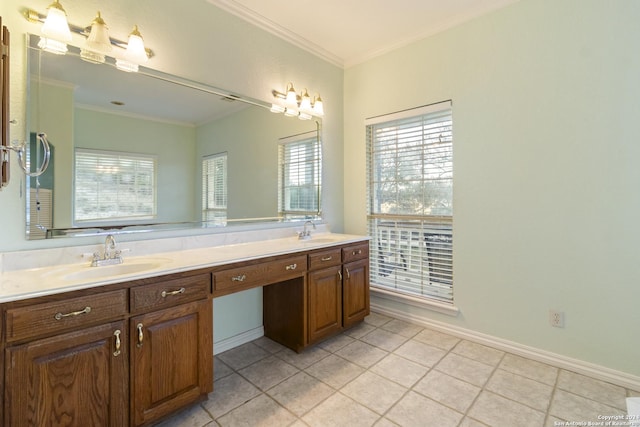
[348, 32]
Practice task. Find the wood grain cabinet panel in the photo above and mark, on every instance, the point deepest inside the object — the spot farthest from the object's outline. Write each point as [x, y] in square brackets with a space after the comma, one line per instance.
[76, 379]
[172, 360]
[259, 274]
[355, 292]
[168, 293]
[325, 303]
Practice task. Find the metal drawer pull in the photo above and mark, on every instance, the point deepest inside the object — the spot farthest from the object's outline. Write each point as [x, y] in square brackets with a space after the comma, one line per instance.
[348, 274]
[239, 278]
[291, 267]
[358, 252]
[165, 294]
[140, 335]
[118, 343]
[340, 274]
[60, 316]
[326, 258]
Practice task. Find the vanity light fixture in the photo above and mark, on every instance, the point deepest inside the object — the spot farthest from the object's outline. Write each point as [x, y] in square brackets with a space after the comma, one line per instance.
[98, 42]
[56, 32]
[294, 105]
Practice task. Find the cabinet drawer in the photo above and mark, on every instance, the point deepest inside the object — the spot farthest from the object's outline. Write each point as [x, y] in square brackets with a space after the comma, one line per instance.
[328, 258]
[52, 317]
[261, 274]
[354, 252]
[169, 292]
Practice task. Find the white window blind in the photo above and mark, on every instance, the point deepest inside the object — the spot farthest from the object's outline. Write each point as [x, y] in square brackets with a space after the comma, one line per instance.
[300, 165]
[410, 201]
[113, 186]
[214, 188]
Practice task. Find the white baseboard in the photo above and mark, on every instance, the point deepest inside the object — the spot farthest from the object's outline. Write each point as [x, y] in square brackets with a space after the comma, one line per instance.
[613, 376]
[237, 340]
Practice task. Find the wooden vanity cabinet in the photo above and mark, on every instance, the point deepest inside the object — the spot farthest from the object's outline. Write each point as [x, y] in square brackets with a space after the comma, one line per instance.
[109, 357]
[355, 283]
[325, 294]
[66, 362]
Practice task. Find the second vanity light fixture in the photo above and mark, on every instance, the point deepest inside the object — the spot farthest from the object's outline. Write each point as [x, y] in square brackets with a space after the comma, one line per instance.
[56, 32]
[294, 105]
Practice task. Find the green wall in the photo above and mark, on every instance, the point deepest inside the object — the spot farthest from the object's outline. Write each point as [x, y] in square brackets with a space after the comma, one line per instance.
[546, 141]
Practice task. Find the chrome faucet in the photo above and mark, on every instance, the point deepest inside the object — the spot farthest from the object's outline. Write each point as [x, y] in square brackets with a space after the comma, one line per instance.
[110, 256]
[306, 234]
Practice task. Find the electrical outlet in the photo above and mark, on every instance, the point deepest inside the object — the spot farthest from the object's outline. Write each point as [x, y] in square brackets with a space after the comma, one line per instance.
[556, 318]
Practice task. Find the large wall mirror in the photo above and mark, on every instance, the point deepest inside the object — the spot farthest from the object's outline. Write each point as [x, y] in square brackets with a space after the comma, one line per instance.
[146, 151]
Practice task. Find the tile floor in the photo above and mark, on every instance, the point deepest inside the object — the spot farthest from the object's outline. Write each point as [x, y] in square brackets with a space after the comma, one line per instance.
[386, 372]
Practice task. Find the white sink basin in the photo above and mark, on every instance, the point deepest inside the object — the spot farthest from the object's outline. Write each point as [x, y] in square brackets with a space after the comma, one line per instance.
[86, 272]
[321, 240]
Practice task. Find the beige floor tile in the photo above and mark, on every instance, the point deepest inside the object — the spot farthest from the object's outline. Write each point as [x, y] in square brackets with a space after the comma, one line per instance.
[530, 368]
[243, 356]
[268, 372]
[496, 410]
[340, 411]
[258, 412]
[377, 319]
[414, 410]
[360, 330]
[400, 370]
[229, 393]
[374, 392]
[336, 343]
[571, 407]
[521, 389]
[591, 388]
[384, 422]
[334, 371]
[221, 369]
[468, 370]
[447, 390]
[402, 328]
[437, 339]
[269, 345]
[300, 393]
[361, 353]
[470, 422]
[305, 359]
[421, 353]
[383, 339]
[479, 352]
[195, 416]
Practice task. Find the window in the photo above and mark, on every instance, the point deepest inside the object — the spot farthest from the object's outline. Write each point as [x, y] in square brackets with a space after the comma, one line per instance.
[113, 186]
[410, 201]
[214, 188]
[300, 166]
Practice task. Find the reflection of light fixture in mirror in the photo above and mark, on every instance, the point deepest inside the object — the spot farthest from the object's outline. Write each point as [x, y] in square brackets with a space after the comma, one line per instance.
[294, 105]
[98, 42]
[55, 30]
[135, 53]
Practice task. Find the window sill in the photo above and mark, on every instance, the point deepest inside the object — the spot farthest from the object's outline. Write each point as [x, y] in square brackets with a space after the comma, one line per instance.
[424, 303]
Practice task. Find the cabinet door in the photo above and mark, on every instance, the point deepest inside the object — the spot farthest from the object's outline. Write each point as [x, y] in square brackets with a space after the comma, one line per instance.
[74, 379]
[325, 303]
[171, 359]
[355, 291]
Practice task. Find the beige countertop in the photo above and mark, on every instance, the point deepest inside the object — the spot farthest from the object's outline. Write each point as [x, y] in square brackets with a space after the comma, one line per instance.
[34, 282]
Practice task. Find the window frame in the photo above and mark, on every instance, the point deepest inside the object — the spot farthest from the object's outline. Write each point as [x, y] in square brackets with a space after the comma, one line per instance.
[411, 253]
[219, 212]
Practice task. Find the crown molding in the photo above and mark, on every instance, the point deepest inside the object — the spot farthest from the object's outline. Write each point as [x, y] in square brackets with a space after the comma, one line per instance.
[277, 30]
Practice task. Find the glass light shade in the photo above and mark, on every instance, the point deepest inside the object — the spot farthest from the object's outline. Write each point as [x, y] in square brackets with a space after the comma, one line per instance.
[275, 108]
[91, 56]
[52, 46]
[304, 116]
[124, 65]
[291, 112]
[305, 104]
[318, 107]
[98, 40]
[292, 98]
[55, 25]
[135, 48]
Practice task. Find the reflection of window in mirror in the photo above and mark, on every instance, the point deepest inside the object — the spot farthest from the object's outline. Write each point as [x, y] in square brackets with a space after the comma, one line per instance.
[300, 161]
[114, 186]
[214, 189]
